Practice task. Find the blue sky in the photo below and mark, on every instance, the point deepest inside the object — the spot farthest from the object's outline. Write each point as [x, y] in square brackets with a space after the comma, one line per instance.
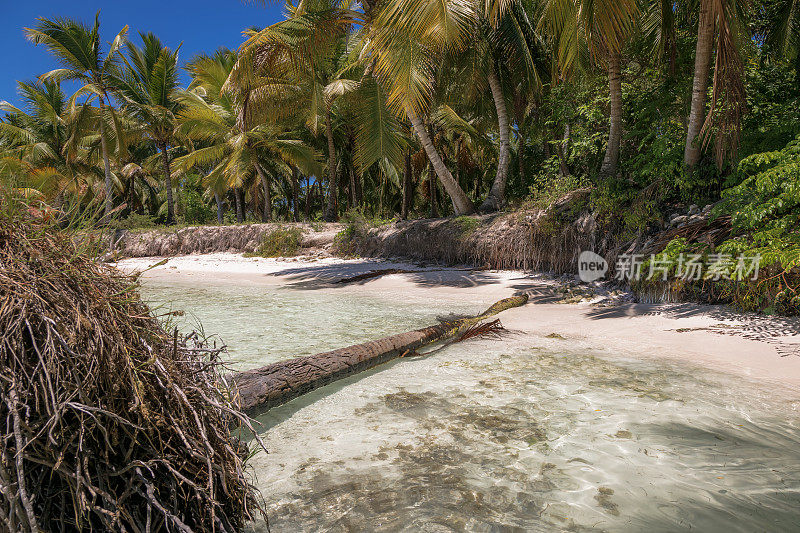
[201, 25]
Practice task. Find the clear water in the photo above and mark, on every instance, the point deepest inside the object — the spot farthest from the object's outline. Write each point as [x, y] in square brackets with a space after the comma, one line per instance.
[517, 435]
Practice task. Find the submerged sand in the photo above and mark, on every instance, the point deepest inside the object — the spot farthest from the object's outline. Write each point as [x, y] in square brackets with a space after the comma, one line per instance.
[760, 348]
[590, 416]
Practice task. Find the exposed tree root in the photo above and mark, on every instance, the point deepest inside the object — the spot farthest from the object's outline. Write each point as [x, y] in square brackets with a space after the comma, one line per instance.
[107, 421]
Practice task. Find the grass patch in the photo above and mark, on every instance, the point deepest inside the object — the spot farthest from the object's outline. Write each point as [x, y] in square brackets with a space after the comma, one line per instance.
[281, 242]
[467, 225]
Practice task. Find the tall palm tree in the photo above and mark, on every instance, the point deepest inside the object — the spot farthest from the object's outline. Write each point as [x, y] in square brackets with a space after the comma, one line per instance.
[148, 88]
[232, 145]
[406, 41]
[78, 48]
[294, 66]
[598, 29]
[719, 27]
[37, 143]
[506, 47]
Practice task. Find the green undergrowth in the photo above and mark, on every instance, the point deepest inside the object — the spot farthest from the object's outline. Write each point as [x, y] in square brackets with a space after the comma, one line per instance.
[357, 225]
[281, 242]
[467, 225]
[765, 219]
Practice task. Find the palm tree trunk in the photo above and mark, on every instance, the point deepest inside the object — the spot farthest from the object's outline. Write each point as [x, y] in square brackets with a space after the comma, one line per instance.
[267, 192]
[269, 386]
[702, 63]
[461, 204]
[220, 213]
[497, 195]
[333, 182]
[239, 204]
[433, 209]
[168, 179]
[351, 187]
[609, 166]
[295, 192]
[407, 192]
[109, 200]
[309, 191]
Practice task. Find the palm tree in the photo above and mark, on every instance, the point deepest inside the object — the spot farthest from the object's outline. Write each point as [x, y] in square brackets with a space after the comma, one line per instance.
[232, 144]
[599, 28]
[38, 144]
[405, 42]
[77, 47]
[718, 28]
[511, 49]
[293, 67]
[148, 88]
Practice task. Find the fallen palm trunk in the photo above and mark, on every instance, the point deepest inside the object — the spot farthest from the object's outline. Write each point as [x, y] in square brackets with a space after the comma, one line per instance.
[272, 385]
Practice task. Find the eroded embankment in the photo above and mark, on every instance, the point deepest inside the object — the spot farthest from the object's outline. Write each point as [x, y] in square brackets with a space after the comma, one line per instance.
[166, 242]
[544, 240]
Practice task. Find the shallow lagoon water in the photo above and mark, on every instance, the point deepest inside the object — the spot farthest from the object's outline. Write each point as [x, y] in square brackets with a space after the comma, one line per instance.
[522, 434]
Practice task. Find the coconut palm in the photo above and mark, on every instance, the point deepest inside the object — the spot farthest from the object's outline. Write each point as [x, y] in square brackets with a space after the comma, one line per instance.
[505, 49]
[405, 43]
[596, 30]
[38, 143]
[719, 27]
[78, 48]
[148, 89]
[294, 67]
[232, 145]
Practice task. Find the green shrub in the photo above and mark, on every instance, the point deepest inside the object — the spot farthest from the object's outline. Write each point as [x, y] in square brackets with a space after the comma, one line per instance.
[345, 243]
[281, 242]
[195, 208]
[133, 221]
[765, 217]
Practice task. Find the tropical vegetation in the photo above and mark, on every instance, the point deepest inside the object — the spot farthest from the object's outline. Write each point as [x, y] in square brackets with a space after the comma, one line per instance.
[415, 108]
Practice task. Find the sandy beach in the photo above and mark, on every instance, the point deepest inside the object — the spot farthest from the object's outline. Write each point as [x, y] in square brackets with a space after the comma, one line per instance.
[760, 348]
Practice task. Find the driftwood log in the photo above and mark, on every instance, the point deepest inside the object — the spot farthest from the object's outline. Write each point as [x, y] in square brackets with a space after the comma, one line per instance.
[262, 388]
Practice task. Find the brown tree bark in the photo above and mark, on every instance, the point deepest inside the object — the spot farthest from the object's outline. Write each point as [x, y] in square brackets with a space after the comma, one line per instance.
[272, 385]
[168, 180]
[351, 189]
[497, 194]
[461, 204]
[267, 191]
[408, 193]
[238, 196]
[611, 159]
[433, 208]
[295, 193]
[309, 191]
[702, 65]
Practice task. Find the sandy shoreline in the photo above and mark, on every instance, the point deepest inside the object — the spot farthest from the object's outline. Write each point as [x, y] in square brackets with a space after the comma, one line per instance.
[758, 348]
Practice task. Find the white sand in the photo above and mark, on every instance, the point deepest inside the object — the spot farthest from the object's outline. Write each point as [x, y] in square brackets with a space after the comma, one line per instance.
[760, 348]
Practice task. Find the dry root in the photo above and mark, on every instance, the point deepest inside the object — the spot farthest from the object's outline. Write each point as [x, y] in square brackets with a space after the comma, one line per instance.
[107, 421]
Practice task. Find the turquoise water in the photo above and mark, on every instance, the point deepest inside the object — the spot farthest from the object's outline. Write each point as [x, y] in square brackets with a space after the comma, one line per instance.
[523, 434]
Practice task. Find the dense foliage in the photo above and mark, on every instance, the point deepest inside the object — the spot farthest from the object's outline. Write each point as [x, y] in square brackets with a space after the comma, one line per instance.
[419, 108]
